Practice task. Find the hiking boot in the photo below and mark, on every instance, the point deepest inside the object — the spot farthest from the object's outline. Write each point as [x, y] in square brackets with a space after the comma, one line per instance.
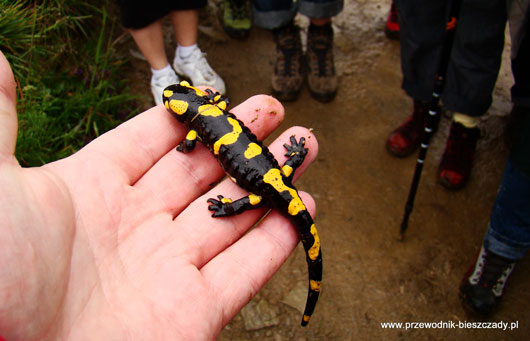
[392, 23]
[405, 139]
[482, 288]
[288, 75]
[235, 18]
[321, 77]
[196, 68]
[457, 160]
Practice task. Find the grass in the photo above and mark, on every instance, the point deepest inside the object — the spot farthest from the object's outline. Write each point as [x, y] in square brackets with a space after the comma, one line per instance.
[69, 83]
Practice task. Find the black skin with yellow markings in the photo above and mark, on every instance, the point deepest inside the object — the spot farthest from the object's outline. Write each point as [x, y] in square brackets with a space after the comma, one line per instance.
[251, 166]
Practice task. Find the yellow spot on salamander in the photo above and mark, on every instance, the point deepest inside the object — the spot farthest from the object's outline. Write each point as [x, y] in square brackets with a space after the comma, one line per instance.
[230, 137]
[307, 318]
[287, 170]
[210, 110]
[192, 135]
[274, 178]
[314, 251]
[315, 285]
[168, 93]
[254, 199]
[178, 107]
[253, 150]
[197, 91]
[222, 105]
[226, 200]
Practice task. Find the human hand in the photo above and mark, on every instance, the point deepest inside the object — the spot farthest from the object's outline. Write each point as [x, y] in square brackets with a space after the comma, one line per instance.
[116, 241]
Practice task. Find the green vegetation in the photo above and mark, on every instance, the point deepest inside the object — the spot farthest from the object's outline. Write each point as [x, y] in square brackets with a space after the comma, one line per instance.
[69, 78]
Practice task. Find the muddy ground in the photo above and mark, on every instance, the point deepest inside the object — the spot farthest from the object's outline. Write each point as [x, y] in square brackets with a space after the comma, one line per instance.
[370, 276]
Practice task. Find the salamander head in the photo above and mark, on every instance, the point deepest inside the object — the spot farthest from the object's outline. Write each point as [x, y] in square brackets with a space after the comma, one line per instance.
[182, 100]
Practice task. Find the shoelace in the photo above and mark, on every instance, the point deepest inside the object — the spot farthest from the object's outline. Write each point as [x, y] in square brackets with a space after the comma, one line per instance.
[288, 45]
[321, 46]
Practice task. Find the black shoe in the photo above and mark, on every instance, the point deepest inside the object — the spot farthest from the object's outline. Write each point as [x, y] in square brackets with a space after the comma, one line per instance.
[483, 285]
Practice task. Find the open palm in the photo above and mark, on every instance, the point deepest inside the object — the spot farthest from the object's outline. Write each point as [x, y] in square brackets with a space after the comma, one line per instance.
[116, 241]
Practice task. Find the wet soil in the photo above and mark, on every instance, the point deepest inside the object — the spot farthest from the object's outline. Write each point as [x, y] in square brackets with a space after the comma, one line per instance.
[370, 276]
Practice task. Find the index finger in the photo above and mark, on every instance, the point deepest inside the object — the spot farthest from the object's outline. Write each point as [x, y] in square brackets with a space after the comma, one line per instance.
[138, 144]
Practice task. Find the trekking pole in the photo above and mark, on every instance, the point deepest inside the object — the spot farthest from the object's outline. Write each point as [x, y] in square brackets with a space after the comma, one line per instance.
[433, 109]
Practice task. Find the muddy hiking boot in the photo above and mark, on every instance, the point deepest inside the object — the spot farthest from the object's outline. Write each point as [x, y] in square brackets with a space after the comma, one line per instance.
[392, 23]
[321, 77]
[483, 285]
[288, 75]
[457, 160]
[236, 18]
[406, 138]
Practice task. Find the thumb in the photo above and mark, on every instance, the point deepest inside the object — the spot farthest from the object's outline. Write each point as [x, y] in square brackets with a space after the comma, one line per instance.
[8, 113]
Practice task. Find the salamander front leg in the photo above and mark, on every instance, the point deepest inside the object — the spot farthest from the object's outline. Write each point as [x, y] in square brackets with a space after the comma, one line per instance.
[218, 99]
[188, 144]
[225, 207]
[296, 153]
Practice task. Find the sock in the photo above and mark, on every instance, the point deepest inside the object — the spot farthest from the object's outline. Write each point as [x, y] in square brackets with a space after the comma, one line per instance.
[465, 120]
[161, 72]
[185, 51]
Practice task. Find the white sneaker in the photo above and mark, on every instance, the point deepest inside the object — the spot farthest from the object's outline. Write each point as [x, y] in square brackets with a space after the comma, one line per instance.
[197, 69]
[158, 84]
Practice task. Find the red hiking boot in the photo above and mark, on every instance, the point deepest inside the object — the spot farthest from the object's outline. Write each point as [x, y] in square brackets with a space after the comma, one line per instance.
[407, 137]
[392, 23]
[457, 160]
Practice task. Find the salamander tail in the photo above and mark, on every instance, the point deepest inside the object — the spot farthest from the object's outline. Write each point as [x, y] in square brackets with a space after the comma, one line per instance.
[311, 242]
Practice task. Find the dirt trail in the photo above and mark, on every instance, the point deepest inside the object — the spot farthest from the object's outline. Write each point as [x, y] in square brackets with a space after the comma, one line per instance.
[370, 277]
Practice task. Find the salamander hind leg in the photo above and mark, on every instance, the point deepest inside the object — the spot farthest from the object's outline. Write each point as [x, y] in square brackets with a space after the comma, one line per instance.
[189, 143]
[296, 153]
[225, 207]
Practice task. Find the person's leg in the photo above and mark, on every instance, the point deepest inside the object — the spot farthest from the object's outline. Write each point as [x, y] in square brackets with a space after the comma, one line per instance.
[288, 73]
[506, 241]
[422, 30]
[150, 41]
[273, 14]
[185, 24]
[321, 77]
[189, 60]
[476, 57]
[471, 76]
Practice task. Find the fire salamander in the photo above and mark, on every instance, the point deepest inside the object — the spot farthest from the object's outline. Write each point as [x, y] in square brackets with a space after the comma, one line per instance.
[251, 166]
